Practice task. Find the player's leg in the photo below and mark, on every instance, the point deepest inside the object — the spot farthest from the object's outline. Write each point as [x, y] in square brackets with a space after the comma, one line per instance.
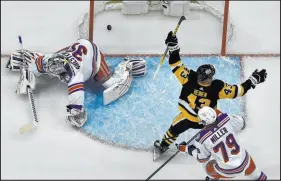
[254, 173]
[103, 73]
[179, 125]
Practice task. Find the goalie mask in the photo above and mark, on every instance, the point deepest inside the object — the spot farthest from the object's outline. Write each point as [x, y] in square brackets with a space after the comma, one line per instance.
[205, 73]
[57, 65]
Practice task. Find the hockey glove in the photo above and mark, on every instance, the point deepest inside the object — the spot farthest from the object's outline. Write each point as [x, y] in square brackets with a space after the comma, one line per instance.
[257, 77]
[190, 149]
[182, 146]
[172, 42]
[76, 115]
[27, 79]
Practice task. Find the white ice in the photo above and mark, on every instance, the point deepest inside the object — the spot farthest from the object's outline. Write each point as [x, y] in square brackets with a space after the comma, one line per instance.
[56, 151]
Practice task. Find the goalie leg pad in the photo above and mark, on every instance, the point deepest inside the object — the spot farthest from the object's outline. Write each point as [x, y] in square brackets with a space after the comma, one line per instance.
[118, 84]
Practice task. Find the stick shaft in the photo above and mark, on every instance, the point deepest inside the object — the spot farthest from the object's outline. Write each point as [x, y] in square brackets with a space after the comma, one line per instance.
[27, 127]
[166, 51]
[171, 157]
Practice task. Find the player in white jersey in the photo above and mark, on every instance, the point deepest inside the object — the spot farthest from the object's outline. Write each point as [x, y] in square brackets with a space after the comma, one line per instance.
[218, 140]
[74, 65]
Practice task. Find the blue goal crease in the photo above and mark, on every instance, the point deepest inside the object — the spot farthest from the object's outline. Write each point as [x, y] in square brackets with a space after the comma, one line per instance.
[146, 111]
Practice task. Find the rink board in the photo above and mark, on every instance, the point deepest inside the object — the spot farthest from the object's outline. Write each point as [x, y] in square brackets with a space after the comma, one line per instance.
[146, 111]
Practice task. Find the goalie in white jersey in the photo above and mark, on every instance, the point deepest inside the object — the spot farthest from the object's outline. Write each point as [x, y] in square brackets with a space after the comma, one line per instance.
[218, 140]
[75, 65]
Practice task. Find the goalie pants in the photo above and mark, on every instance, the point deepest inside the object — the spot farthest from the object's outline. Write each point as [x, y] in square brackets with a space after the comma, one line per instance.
[180, 124]
[103, 73]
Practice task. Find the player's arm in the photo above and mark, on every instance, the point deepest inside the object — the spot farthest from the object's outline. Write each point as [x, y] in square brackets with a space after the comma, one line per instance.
[176, 65]
[202, 154]
[233, 91]
[76, 114]
[198, 151]
[238, 123]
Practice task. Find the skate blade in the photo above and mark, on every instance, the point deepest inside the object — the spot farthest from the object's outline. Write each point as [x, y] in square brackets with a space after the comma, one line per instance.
[156, 155]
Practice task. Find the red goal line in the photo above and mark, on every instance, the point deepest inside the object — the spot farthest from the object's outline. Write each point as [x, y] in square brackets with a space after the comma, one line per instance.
[199, 55]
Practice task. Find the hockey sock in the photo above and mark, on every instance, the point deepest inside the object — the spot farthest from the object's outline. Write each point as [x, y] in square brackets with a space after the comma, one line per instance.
[168, 138]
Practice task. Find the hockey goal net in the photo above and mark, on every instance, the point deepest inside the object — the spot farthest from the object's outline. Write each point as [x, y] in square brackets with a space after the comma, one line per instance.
[217, 9]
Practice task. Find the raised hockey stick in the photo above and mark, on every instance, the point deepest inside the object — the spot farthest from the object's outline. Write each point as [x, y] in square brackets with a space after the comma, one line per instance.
[29, 126]
[166, 51]
[175, 154]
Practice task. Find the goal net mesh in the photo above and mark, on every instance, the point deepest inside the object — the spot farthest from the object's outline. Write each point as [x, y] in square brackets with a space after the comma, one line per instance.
[214, 8]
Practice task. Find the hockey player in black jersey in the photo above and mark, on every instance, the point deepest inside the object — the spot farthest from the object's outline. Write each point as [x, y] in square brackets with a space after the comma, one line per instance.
[199, 89]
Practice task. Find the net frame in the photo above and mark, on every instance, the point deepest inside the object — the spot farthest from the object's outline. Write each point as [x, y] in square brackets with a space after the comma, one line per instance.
[86, 26]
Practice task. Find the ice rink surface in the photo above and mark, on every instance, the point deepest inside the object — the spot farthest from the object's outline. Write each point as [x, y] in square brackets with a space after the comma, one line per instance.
[146, 111]
[56, 150]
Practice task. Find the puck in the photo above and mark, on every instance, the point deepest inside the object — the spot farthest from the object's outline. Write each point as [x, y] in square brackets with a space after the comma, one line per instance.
[109, 27]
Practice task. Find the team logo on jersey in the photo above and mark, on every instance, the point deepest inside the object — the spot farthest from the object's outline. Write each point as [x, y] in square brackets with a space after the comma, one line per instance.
[72, 60]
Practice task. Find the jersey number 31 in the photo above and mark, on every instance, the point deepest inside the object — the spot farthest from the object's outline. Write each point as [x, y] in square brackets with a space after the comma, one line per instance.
[231, 144]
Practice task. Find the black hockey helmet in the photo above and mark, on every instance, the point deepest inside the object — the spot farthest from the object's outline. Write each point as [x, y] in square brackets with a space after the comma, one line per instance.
[205, 72]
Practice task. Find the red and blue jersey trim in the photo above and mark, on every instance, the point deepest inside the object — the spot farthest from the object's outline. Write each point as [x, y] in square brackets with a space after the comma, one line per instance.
[95, 59]
[204, 134]
[75, 87]
[203, 160]
[262, 176]
[39, 64]
[236, 170]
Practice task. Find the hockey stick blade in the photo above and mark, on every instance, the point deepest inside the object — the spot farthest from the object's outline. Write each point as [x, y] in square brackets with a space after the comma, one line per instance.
[27, 127]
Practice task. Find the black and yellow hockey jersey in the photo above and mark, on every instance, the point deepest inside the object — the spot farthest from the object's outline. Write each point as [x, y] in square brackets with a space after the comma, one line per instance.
[194, 95]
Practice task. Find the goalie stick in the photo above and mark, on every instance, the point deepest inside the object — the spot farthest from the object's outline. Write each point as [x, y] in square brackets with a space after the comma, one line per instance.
[29, 126]
[175, 154]
[166, 51]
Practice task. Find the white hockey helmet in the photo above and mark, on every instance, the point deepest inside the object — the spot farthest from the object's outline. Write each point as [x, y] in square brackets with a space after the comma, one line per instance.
[207, 115]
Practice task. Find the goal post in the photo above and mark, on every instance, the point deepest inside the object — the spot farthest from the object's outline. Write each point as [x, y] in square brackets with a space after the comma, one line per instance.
[91, 19]
[224, 32]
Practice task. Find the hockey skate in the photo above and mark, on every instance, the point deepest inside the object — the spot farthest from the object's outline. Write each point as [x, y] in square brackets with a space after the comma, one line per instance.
[208, 178]
[158, 150]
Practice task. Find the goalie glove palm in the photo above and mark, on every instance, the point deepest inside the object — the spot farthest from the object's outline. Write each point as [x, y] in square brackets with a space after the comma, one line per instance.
[172, 42]
[258, 77]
